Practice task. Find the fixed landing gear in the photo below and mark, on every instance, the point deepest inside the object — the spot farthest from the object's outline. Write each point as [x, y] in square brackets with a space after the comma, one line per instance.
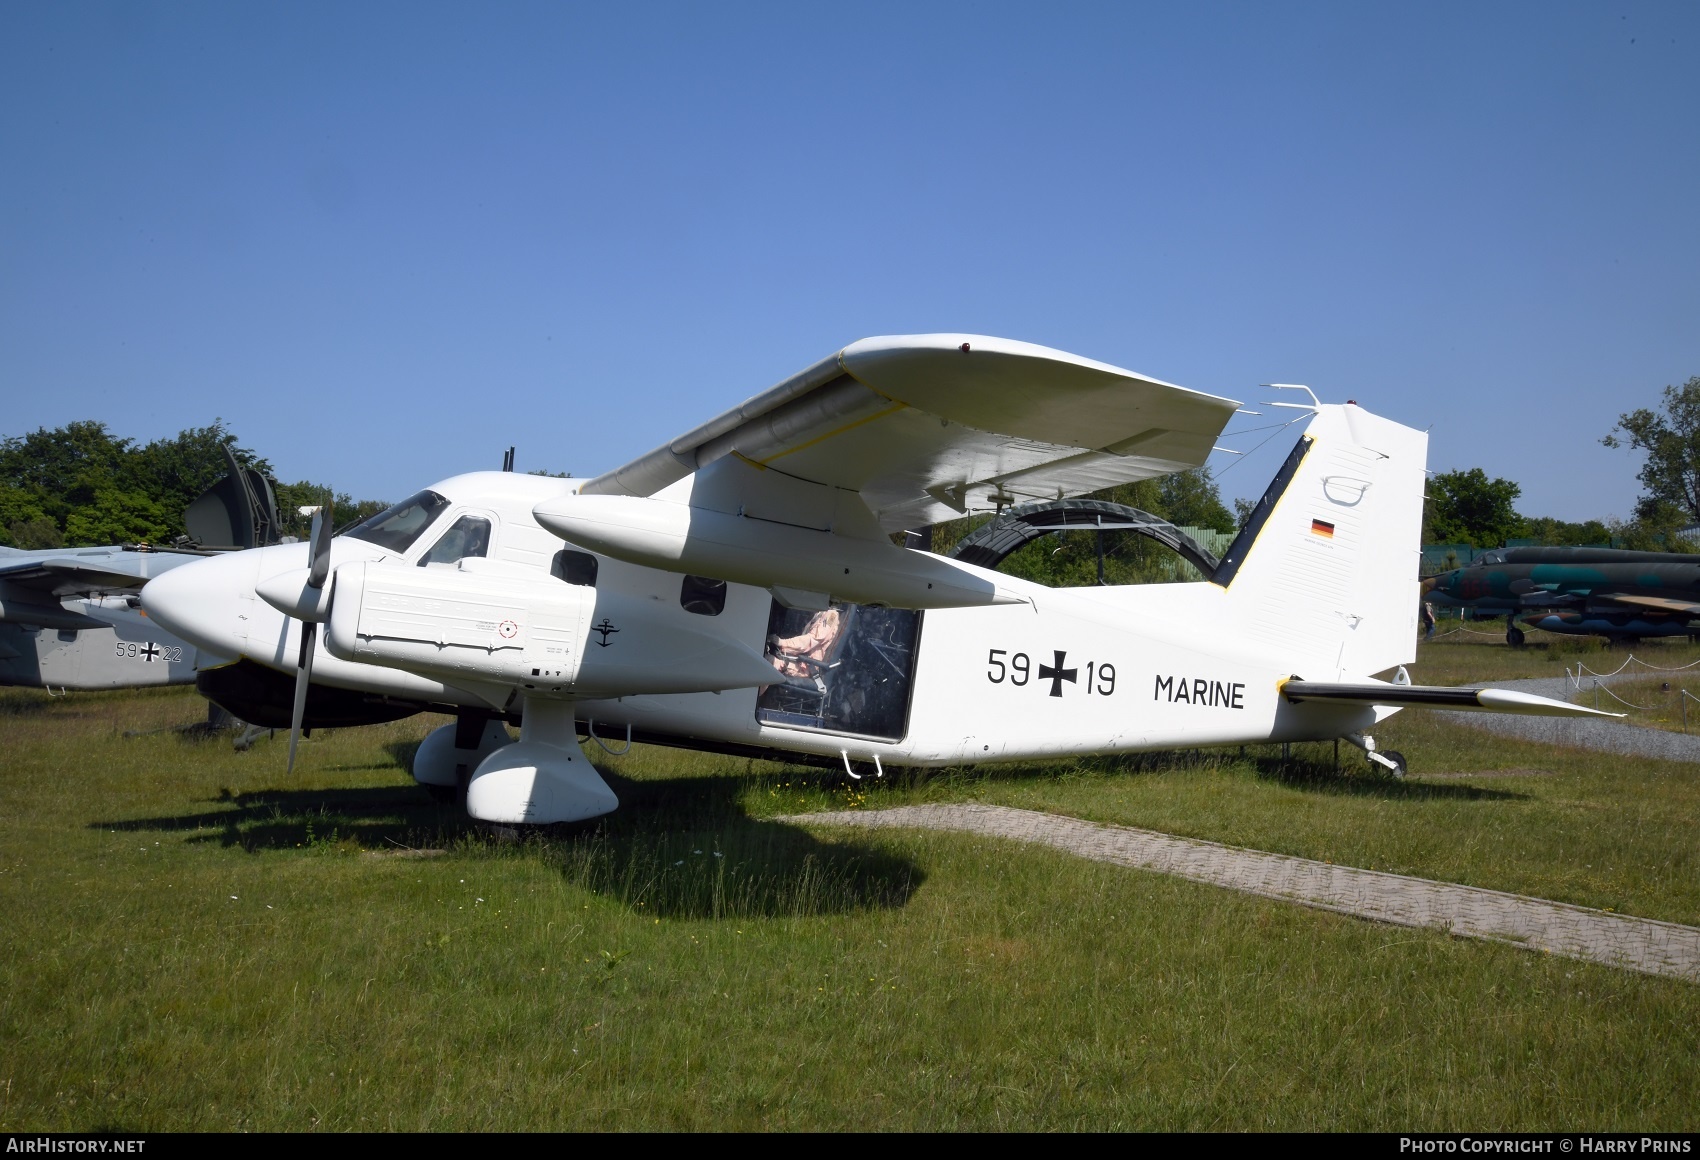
[542, 778]
[1391, 760]
[444, 761]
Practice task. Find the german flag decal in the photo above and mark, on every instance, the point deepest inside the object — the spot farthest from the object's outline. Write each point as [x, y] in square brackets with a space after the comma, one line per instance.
[1322, 528]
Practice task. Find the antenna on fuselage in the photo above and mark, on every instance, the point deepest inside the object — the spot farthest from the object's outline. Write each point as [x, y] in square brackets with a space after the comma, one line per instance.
[508, 460]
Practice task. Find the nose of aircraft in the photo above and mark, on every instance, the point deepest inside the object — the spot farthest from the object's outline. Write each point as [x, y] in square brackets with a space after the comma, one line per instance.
[206, 602]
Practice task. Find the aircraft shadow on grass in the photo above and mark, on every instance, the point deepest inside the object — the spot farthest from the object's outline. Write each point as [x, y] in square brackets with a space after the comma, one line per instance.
[1322, 778]
[1350, 779]
[677, 848]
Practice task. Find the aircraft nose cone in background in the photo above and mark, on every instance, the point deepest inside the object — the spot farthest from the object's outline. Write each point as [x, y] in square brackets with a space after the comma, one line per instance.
[207, 603]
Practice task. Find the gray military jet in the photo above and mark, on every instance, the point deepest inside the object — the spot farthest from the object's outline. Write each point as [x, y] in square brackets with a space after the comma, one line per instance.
[71, 618]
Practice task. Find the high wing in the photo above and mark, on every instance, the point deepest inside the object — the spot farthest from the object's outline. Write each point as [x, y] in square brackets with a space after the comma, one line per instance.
[926, 426]
[73, 572]
[1435, 697]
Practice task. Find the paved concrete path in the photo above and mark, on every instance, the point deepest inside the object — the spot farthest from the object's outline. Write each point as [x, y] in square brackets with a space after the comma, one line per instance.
[1637, 944]
[1595, 733]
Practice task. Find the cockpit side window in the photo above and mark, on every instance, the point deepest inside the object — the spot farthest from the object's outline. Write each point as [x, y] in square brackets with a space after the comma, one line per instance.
[703, 596]
[397, 528]
[574, 567]
[468, 536]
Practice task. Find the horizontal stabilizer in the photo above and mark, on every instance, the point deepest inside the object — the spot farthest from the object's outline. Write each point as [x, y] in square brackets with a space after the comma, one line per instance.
[1436, 697]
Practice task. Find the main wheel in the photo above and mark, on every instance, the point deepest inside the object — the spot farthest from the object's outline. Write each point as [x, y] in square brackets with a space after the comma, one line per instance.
[1514, 637]
[1398, 760]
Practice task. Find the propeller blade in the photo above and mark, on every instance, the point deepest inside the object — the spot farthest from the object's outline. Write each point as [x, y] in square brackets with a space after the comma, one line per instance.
[316, 575]
[321, 548]
[303, 677]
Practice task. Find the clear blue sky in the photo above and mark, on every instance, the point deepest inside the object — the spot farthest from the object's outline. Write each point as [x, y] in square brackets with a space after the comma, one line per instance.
[385, 241]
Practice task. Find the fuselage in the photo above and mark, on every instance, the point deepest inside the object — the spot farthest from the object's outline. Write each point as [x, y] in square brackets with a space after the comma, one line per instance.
[127, 651]
[1066, 672]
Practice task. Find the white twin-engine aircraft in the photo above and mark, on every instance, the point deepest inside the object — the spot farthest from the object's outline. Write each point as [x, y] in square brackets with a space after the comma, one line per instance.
[738, 589]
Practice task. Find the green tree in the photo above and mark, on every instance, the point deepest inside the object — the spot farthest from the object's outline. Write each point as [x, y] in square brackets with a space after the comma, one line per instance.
[173, 472]
[1655, 528]
[79, 484]
[1190, 498]
[1468, 507]
[61, 469]
[346, 510]
[1563, 534]
[1670, 437]
[23, 522]
[119, 517]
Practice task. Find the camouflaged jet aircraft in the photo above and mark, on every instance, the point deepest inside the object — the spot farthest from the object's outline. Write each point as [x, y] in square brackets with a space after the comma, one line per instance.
[1583, 591]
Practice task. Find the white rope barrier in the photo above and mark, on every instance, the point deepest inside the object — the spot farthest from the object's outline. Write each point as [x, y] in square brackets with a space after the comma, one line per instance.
[1620, 700]
[1629, 660]
[1575, 682]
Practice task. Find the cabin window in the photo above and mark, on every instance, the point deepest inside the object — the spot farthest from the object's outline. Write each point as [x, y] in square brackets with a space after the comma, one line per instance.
[702, 596]
[469, 536]
[396, 528]
[574, 567]
[845, 669]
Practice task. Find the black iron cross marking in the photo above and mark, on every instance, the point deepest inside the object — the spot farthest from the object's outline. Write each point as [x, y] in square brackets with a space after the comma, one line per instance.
[604, 628]
[151, 651]
[1056, 674]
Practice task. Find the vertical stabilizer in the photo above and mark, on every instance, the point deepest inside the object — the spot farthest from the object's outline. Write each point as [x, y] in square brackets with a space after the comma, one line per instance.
[1324, 575]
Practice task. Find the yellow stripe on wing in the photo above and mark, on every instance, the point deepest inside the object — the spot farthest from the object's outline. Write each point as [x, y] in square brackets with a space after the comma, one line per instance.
[881, 413]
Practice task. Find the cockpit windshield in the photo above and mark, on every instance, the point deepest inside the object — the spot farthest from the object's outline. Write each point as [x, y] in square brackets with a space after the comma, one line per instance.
[1488, 558]
[396, 528]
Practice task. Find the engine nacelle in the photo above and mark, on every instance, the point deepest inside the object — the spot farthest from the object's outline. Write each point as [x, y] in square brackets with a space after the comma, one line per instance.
[492, 622]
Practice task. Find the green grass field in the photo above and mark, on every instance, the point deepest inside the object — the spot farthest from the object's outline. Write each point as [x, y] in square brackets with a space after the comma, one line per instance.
[195, 940]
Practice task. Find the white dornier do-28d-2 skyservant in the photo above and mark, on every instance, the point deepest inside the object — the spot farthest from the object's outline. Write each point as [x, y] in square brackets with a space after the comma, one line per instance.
[679, 597]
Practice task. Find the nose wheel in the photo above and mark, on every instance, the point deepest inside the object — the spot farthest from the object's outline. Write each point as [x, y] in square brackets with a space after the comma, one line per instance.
[1514, 635]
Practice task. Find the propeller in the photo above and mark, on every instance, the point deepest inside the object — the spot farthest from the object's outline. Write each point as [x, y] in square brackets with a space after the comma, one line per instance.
[317, 574]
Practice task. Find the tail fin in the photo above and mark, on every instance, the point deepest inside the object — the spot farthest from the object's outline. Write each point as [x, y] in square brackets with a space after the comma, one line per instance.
[1325, 572]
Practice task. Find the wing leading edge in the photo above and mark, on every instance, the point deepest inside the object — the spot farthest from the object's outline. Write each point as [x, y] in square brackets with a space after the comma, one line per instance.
[926, 426]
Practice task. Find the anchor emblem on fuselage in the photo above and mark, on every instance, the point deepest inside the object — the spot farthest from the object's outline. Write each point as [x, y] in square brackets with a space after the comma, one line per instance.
[604, 628]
